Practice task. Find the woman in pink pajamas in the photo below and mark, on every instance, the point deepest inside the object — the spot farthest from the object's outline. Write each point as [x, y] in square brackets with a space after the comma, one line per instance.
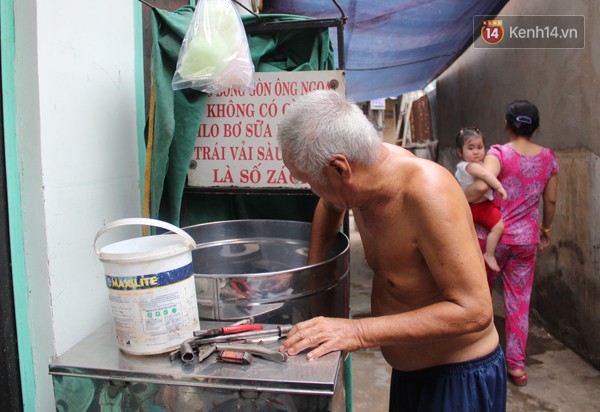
[528, 172]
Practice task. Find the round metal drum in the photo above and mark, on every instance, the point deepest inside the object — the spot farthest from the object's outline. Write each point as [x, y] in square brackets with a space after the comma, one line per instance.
[258, 268]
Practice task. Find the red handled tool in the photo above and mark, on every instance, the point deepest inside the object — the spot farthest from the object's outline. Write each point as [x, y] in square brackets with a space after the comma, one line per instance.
[227, 330]
[242, 288]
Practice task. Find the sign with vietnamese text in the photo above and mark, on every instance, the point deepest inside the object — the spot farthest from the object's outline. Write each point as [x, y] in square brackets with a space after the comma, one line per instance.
[237, 144]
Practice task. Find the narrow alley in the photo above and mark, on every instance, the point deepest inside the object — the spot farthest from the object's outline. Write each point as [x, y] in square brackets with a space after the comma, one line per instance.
[559, 380]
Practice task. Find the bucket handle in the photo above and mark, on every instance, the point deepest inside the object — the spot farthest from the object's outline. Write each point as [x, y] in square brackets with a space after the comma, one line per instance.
[142, 221]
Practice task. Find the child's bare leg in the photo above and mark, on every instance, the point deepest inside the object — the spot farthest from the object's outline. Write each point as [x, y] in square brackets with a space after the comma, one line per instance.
[490, 245]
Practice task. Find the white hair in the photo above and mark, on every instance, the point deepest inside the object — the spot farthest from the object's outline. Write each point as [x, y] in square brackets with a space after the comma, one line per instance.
[322, 124]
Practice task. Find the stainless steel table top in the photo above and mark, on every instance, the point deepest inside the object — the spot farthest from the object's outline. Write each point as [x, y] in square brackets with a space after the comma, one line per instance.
[98, 357]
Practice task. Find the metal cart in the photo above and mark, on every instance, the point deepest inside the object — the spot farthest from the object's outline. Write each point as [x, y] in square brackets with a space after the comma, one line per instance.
[95, 375]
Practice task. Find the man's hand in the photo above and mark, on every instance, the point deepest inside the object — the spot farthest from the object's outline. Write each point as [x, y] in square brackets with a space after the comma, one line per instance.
[324, 334]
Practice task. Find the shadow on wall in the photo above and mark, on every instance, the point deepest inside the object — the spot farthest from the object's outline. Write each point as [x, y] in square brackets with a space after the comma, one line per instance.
[566, 294]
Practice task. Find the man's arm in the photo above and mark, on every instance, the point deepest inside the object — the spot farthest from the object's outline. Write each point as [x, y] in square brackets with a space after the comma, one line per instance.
[326, 223]
[448, 244]
[478, 188]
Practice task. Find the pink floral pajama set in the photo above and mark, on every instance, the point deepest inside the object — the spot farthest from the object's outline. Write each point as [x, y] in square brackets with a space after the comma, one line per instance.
[524, 178]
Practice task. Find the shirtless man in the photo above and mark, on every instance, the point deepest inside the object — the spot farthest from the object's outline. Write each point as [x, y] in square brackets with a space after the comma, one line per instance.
[431, 305]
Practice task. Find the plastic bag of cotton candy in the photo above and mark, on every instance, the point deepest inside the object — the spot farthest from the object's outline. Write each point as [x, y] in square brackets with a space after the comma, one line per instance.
[214, 55]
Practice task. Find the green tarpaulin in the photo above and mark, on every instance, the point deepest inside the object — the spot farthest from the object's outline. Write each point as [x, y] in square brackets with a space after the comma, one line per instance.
[174, 118]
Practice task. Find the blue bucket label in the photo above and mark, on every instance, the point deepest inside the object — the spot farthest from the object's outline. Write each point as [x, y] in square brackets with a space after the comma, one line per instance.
[149, 281]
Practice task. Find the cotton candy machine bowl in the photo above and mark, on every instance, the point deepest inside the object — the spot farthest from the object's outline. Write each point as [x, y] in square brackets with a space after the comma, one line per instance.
[258, 268]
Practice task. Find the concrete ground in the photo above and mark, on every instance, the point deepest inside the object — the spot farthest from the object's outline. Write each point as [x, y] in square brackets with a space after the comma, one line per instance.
[559, 380]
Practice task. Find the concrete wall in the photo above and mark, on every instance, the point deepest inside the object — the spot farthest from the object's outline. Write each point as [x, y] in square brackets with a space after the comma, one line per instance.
[564, 84]
[567, 289]
[78, 156]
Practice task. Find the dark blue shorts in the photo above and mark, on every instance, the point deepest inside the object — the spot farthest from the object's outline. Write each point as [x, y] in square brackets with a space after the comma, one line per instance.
[478, 385]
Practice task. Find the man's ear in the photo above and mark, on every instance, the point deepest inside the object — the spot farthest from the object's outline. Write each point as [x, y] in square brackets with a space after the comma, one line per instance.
[339, 163]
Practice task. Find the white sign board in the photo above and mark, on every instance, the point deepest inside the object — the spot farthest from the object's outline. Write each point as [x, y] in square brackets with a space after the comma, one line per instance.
[378, 104]
[237, 139]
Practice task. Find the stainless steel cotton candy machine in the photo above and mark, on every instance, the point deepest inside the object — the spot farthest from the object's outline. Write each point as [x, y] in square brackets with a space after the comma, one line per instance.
[258, 268]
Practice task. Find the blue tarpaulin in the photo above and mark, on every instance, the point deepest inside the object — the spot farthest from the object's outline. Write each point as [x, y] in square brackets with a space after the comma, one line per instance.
[392, 47]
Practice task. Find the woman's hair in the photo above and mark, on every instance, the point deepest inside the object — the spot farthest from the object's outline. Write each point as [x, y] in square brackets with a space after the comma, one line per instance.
[465, 134]
[522, 117]
[322, 124]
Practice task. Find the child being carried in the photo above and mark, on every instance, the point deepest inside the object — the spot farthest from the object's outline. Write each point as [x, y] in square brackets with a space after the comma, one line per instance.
[471, 149]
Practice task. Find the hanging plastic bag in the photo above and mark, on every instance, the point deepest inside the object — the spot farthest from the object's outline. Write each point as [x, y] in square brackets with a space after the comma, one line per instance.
[214, 55]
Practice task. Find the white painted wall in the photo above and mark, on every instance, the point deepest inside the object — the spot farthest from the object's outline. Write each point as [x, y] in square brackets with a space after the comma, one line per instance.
[76, 127]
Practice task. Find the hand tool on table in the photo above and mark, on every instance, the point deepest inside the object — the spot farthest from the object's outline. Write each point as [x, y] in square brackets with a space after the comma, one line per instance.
[205, 351]
[227, 330]
[186, 351]
[245, 321]
[189, 346]
[234, 356]
[256, 350]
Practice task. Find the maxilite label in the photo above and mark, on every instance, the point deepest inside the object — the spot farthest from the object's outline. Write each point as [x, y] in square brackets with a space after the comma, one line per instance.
[146, 281]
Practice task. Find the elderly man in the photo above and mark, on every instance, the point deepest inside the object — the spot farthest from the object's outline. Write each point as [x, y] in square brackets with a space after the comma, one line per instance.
[431, 305]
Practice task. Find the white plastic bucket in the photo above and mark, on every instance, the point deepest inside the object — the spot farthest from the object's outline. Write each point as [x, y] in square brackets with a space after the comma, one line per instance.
[151, 288]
